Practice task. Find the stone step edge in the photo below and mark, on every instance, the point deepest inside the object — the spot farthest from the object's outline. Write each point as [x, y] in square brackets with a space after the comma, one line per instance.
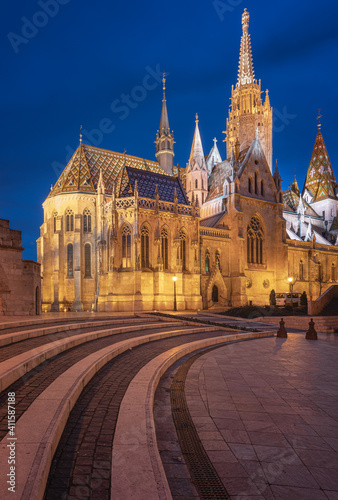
[17, 366]
[11, 338]
[11, 324]
[39, 429]
[140, 469]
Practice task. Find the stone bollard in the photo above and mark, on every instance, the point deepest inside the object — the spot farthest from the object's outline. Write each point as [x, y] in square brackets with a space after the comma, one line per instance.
[282, 333]
[311, 334]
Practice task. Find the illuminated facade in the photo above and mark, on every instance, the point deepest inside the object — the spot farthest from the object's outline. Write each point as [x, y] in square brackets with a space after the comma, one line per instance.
[118, 228]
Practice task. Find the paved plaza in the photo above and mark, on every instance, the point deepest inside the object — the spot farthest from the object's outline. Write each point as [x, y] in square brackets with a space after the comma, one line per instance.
[155, 407]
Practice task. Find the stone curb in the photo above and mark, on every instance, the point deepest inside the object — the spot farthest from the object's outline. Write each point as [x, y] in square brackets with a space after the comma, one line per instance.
[14, 368]
[39, 430]
[141, 469]
[44, 320]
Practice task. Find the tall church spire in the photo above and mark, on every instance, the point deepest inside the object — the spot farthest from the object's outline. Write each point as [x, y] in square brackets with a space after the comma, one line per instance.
[164, 138]
[247, 111]
[197, 173]
[245, 69]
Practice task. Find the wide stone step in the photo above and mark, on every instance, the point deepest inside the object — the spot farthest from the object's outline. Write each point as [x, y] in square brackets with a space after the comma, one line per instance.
[14, 368]
[38, 442]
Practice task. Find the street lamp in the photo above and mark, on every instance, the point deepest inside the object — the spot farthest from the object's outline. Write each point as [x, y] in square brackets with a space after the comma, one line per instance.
[175, 302]
[290, 280]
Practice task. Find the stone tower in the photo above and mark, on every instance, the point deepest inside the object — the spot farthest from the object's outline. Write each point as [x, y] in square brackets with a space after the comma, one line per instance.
[197, 172]
[165, 139]
[247, 111]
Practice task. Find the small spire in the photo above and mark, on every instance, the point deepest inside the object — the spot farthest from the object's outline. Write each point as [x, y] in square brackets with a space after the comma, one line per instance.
[80, 135]
[318, 119]
[246, 73]
[215, 141]
[196, 118]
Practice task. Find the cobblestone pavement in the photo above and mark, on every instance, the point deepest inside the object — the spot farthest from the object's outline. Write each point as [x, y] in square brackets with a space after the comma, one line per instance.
[266, 412]
[33, 383]
[81, 467]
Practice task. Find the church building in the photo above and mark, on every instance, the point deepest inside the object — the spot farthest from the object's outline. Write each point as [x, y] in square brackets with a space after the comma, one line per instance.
[123, 233]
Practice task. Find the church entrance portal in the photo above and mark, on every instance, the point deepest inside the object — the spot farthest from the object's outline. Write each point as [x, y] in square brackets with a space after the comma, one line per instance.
[214, 295]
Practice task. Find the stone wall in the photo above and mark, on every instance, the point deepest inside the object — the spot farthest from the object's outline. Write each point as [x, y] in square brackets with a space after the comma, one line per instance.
[20, 280]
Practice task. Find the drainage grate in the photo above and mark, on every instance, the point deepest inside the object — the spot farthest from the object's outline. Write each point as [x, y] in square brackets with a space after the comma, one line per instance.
[203, 474]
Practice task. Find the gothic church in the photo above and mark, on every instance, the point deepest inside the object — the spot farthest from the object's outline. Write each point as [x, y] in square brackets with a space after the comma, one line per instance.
[117, 228]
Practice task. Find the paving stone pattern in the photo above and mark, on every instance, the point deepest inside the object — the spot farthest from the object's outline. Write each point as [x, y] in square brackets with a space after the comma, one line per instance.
[267, 414]
[82, 463]
[32, 384]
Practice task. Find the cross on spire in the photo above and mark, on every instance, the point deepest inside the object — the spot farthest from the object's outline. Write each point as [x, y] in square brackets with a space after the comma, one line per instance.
[80, 134]
[318, 118]
[164, 80]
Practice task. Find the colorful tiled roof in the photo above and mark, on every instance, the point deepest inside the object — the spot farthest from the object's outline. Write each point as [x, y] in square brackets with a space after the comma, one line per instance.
[146, 185]
[320, 179]
[83, 170]
[291, 202]
[334, 225]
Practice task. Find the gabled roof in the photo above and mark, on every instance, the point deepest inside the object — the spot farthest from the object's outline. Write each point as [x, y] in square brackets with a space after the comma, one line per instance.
[218, 175]
[83, 170]
[213, 220]
[320, 179]
[146, 185]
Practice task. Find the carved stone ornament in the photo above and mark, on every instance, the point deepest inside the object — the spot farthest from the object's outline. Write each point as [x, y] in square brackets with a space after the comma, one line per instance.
[266, 283]
[248, 283]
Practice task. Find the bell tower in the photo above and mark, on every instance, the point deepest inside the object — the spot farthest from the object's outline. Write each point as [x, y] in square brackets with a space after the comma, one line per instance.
[247, 111]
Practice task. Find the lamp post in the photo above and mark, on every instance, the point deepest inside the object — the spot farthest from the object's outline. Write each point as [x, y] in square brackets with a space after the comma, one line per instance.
[290, 280]
[175, 302]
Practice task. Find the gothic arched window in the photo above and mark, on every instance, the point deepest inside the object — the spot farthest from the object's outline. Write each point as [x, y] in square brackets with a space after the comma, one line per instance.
[301, 270]
[70, 260]
[87, 253]
[262, 188]
[69, 220]
[196, 183]
[126, 246]
[183, 250]
[87, 221]
[256, 183]
[144, 247]
[165, 248]
[255, 237]
[207, 261]
[249, 185]
[55, 216]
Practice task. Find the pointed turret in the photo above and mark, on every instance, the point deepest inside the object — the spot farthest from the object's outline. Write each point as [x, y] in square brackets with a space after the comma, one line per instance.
[246, 73]
[100, 184]
[197, 173]
[247, 111]
[165, 139]
[213, 158]
[295, 187]
[320, 180]
[196, 160]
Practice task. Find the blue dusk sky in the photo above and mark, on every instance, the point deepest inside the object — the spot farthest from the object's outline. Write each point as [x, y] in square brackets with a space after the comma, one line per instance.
[71, 62]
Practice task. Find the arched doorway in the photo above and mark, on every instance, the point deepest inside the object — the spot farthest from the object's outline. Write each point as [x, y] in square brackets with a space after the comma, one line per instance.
[37, 301]
[214, 295]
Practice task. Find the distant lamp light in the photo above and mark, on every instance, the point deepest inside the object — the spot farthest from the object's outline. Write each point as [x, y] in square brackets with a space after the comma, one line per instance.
[290, 280]
[174, 277]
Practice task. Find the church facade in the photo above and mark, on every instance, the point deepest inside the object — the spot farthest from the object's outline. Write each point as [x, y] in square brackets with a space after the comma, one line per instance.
[123, 233]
